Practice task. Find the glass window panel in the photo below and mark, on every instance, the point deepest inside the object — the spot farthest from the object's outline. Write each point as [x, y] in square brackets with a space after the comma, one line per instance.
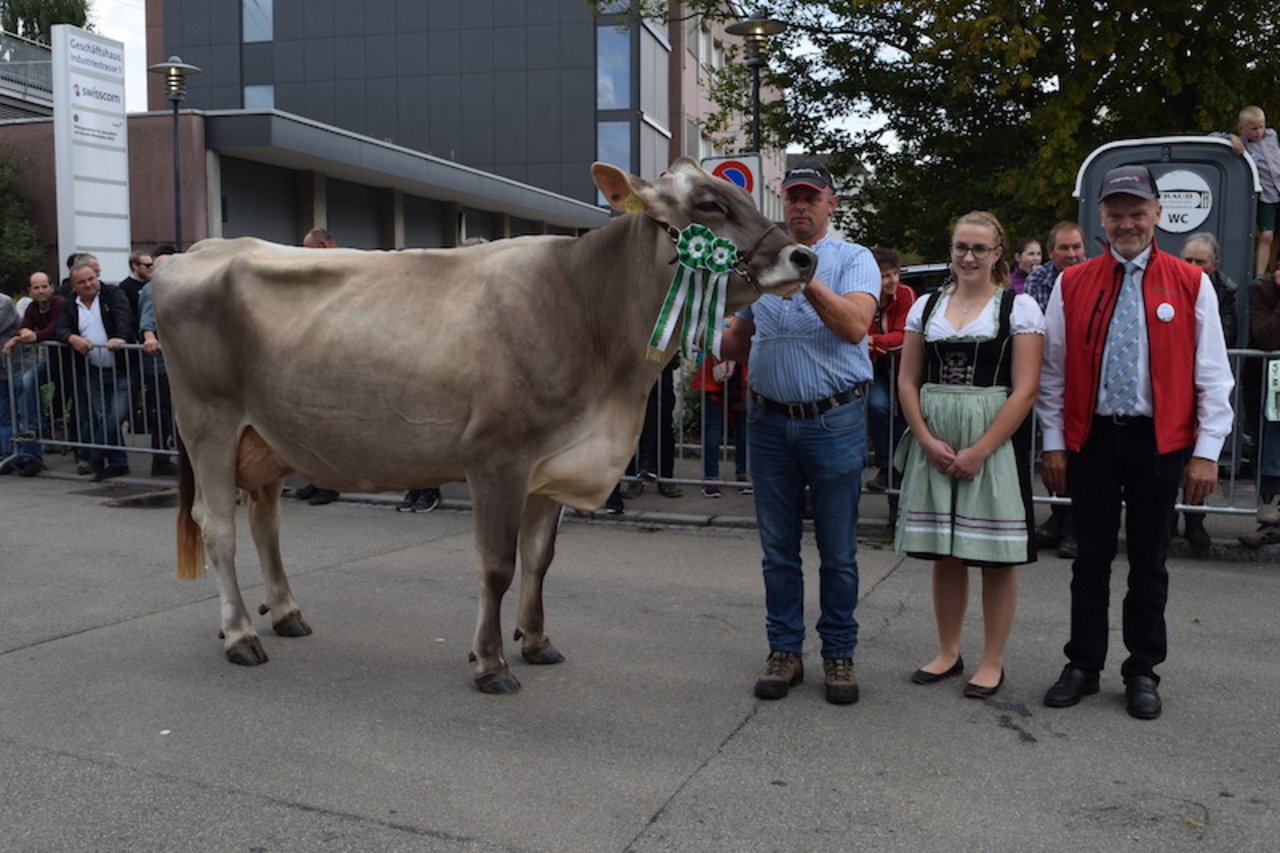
[256, 20]
[613, 68]
[613, 144]
[655, 65]
[260, 97]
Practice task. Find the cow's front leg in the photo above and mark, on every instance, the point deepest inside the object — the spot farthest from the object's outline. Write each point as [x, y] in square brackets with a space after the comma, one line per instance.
[497, 518]
[537, 548]
[215, 513]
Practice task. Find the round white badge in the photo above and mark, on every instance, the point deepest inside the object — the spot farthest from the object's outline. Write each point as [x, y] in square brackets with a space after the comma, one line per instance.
[1164, 312]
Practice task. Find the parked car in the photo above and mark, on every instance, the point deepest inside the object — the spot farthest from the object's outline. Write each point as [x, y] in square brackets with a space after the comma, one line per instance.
[925, 278]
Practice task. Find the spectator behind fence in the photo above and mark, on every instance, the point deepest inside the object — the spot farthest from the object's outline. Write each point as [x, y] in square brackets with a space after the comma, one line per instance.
[97, 324]
[807, 421]
[1258, 141]
[317, 238]
[721, 384]
[970, 368]
[885, 423]
[1202, 249]
[140, 267]
[9, 320]
[655, 457]
[1129, 321]
[1066, 249]
[40, 368]
[1026, 257]
[1261, 380]
[156, 380]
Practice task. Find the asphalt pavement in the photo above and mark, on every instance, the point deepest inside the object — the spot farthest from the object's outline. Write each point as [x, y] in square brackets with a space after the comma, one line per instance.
[122, 726]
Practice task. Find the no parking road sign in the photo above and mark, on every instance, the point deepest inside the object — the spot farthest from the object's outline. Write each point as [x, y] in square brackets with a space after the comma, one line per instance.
[741, 169]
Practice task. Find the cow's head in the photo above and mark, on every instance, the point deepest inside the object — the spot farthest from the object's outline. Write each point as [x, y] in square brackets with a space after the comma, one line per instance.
[686, 193]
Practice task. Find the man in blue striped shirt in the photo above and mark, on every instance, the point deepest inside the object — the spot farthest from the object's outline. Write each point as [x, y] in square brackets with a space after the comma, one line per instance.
[809, 371]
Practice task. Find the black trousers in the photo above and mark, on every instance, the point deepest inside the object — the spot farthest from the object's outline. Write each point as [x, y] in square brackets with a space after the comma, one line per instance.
[1119, 463]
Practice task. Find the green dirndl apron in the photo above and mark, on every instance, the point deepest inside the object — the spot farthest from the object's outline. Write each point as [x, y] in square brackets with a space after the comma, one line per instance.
[980, 520]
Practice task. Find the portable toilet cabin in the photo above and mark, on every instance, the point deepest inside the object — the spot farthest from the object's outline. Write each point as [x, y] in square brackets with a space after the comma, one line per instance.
[1204, 186]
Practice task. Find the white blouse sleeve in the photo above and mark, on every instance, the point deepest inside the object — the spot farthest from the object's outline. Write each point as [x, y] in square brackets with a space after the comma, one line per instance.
[915, 316]
[1026, 316]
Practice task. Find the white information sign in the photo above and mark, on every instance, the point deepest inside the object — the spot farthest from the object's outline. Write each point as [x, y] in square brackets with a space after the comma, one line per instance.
[91, 149]
[1186, 201]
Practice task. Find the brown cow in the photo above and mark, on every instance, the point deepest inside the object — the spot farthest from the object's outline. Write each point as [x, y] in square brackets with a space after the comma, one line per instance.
[519, 366]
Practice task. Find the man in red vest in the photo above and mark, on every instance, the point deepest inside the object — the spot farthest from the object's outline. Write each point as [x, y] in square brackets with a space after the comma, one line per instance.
[1135, 373]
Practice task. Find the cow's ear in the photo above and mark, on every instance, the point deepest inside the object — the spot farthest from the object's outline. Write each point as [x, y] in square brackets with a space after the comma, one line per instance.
[625, 193]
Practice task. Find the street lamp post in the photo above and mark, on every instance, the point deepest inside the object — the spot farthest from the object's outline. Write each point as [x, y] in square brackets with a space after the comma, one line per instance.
[756, 31]
[175, 73]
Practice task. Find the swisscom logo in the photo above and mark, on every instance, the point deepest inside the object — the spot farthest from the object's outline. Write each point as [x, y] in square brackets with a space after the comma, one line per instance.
[94, 94]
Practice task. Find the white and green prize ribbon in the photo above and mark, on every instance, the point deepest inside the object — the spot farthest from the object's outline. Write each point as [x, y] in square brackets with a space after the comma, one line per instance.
[697, 292]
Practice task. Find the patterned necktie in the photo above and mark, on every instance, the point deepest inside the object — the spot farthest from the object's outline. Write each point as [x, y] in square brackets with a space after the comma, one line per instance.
[1120, 373]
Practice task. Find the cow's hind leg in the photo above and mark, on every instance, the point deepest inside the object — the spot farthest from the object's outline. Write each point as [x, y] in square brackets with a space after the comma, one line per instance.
[264, 522]
[260, 474]
[498, 507]
[214, 509]
[537, 548]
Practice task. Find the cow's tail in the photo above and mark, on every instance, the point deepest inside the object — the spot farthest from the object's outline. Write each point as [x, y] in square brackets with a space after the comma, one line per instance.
[190, 539]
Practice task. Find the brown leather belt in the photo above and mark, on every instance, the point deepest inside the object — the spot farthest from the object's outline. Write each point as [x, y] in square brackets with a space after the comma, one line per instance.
[811, 409]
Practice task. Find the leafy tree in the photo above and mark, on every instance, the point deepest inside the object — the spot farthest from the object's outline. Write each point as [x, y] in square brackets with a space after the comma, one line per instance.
[34, 19]
[20, 252]
[995, 103]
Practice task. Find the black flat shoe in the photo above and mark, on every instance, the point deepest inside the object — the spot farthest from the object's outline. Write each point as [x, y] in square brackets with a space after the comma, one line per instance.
[974, 691]
[922, 677]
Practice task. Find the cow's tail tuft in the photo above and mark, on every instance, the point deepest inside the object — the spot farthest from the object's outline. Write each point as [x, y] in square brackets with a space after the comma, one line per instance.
[190, 539]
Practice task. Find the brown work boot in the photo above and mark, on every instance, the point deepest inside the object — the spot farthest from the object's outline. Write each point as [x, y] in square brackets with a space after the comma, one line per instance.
[842, 683]
[782, 672]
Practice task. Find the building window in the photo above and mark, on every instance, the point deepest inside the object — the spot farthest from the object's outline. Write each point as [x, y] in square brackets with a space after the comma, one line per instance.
[613, 144]
[260, 97]
[256, 20]
[613, 68]
[655, 69]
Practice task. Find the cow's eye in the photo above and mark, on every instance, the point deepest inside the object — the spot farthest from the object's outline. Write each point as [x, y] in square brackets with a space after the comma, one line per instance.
[709, 206]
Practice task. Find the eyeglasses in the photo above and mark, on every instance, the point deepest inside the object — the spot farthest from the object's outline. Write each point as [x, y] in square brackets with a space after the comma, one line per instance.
[980, 252]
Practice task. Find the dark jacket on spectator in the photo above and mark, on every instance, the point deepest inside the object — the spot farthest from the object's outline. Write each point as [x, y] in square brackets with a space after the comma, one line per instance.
[117, 317]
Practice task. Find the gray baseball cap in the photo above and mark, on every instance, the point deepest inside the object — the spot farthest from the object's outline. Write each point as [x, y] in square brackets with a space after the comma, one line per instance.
[1129, 180]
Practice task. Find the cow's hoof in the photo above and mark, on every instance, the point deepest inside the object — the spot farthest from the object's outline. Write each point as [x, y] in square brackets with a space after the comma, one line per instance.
[542, 655]
[497, 683]
[247, 652]
[292, 625]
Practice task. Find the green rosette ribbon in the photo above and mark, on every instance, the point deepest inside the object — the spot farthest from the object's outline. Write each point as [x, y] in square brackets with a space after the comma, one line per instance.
[696, 294]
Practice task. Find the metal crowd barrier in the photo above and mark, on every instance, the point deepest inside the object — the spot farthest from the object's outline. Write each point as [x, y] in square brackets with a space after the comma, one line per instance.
[1240, 462]
[59, 400]
[126, 407]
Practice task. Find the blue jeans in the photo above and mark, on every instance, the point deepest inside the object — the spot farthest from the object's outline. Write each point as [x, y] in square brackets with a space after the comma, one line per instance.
[31, 407]
[104, 400]
[713, 410]
[881, 422]
[827, 454]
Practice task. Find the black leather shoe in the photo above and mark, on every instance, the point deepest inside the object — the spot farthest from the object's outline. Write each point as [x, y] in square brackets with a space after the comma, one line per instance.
[1197, 536]
[1071, 686]
[1049, 534]
[306, 493]
[977, 691]
[1140, 697]
[922, 677]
